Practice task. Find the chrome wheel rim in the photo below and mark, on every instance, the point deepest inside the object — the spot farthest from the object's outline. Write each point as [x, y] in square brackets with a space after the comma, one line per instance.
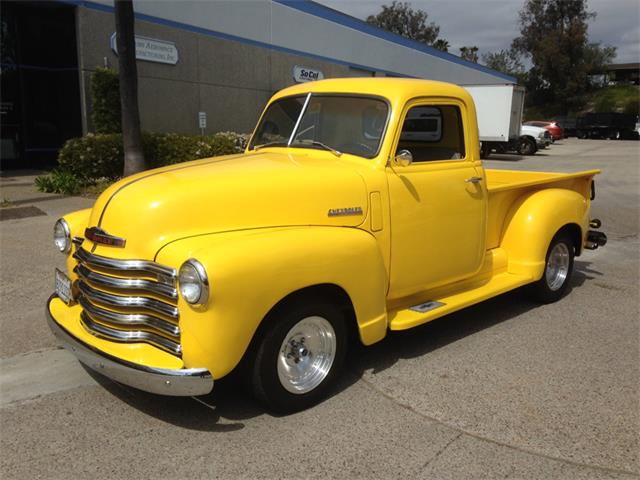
[306, 355]
[557, 266]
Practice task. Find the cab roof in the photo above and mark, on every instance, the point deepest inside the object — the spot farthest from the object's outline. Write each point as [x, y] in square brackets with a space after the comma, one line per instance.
[396, 90]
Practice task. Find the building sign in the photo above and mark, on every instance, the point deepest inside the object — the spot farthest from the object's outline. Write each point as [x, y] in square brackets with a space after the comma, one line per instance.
[305, 74]
[152, 50]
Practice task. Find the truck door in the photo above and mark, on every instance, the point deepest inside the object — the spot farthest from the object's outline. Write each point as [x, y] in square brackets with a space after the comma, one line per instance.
[437, 199]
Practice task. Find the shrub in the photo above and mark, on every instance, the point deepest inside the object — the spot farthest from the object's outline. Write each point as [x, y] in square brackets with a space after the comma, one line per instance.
[105, 97]
[93, 156]
[59, 181]
[96, 158]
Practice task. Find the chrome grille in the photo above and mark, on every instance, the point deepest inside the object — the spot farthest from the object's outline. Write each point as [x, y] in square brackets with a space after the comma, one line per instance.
[128, 301]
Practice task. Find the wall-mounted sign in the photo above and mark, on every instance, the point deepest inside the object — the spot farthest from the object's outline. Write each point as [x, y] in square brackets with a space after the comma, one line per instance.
[152, 50]
[305, 74]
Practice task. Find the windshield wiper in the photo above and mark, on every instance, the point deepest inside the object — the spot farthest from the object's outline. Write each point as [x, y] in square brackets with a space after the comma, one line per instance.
[315, 143]
[280, 143]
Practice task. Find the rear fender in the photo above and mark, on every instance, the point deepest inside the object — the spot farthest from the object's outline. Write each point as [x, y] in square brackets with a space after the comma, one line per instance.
[532, 223]
[251, 271]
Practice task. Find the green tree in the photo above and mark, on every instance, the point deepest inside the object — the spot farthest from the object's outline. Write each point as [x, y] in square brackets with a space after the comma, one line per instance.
[441, 44]
[403, 20]
[469, 53]
[131, 134]
[507, 61]
[553, 35]
[105, 101]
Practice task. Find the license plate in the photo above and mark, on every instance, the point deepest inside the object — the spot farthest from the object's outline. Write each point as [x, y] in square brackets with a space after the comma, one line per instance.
[63, 286]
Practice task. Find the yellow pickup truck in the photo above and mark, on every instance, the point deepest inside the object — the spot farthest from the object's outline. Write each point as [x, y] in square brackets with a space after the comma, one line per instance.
[359, 206]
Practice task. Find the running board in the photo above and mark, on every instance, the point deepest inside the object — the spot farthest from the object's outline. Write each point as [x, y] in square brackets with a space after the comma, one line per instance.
[415, 315]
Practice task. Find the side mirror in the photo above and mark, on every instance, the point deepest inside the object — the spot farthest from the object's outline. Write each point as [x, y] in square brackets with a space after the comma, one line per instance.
[403, 158]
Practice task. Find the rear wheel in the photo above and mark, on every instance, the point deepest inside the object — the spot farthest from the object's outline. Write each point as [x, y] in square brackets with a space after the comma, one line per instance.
[485, 150]
[526, 146]
[557, 271]
[298, 359]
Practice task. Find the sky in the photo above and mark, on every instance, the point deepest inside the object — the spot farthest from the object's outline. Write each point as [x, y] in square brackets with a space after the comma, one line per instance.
[493, 24]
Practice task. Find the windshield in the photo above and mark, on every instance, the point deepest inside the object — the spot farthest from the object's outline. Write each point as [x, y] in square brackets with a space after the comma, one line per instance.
[340, 123]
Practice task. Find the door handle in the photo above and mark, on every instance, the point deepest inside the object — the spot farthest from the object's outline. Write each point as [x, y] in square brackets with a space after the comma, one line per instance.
[473, 180]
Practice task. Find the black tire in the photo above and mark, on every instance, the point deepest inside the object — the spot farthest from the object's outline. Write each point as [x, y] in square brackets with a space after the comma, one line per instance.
[526, 146]
[264, 378]
[485, 151]
[546, 290]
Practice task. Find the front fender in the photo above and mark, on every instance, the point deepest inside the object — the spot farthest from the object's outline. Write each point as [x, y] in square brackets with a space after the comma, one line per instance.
[251, 271]
[532, 223]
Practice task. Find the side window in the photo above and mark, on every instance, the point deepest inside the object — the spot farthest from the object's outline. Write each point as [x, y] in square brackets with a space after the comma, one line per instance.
[433, 133]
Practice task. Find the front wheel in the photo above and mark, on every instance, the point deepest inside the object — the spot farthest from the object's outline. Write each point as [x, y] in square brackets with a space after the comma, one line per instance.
[299, 357]
[557, 271]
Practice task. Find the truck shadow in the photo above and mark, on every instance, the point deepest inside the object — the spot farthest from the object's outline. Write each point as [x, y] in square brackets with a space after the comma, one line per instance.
[228, 406]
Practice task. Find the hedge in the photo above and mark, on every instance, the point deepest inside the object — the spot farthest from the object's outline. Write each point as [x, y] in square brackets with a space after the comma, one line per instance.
[95, 157]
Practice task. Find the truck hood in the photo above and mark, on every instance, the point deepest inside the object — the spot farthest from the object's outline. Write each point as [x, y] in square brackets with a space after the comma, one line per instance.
[254, 190]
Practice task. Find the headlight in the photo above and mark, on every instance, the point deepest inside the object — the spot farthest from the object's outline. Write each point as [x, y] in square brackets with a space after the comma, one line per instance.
[541, 135]
[62, 236]
[193, 282]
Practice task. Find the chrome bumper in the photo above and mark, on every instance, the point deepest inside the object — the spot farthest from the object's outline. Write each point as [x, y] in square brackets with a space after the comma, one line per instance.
[183, 382]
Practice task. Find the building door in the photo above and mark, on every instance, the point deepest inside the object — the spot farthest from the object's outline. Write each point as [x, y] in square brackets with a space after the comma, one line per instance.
[40, 106]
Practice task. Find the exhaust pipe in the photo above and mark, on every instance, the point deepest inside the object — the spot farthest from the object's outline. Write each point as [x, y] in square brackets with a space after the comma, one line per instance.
[595, 240]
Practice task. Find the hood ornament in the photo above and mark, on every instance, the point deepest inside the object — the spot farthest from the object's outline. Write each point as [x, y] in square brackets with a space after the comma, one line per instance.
[99, 236]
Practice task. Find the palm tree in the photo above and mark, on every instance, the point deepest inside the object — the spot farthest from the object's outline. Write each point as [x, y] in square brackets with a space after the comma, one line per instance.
[131, 136]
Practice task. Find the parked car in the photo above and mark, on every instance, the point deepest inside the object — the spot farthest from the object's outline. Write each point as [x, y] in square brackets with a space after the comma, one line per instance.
[359, 207]
[611, 125]
[533, 139]
[556, 131]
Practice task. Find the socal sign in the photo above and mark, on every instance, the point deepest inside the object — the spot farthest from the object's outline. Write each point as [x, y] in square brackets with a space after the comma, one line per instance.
[305, 74]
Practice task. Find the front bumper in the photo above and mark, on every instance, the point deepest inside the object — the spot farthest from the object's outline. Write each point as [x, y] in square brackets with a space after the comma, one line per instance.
[178, 382]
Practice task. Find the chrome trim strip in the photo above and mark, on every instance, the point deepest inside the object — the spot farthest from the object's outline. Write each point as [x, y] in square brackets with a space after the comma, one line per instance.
[129, 265]
[128, 336]
[112, 300]
[126, 283]
[129, 320]
[178, 382]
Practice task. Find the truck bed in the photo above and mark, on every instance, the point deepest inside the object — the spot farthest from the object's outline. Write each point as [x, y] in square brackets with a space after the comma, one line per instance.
[501, 180]
[507, 186]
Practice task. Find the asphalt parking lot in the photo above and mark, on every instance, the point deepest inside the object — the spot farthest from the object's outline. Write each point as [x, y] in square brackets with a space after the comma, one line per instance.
[504, 389]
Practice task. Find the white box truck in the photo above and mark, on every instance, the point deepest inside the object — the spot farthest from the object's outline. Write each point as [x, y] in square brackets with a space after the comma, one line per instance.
[499, 109]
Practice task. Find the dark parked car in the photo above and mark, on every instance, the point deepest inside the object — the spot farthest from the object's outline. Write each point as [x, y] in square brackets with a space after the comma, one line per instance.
[612, 125]
[568, 124]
